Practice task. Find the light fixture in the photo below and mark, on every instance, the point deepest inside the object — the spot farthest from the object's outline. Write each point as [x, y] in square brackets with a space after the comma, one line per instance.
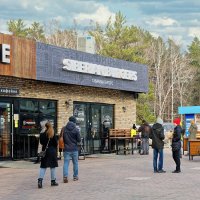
[124, 109]
[68, 103]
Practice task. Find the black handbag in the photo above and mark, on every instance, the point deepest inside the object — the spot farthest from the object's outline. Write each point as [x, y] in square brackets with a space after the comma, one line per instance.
[42, 154]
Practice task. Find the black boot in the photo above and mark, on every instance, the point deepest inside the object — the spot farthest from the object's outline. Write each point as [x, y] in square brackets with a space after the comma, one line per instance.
[39, 182]
[53, 183]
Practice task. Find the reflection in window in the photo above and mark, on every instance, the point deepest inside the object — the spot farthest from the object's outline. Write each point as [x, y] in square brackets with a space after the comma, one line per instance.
[80, 114]
[107, 116]
[28, 106]
[47, 107]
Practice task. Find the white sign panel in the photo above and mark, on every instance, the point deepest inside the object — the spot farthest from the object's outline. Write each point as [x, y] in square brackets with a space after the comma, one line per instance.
[99, 70]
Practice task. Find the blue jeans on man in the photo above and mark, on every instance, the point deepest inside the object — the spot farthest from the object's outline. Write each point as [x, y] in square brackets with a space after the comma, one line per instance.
[67, 157]
[145, 146]
[158, 164]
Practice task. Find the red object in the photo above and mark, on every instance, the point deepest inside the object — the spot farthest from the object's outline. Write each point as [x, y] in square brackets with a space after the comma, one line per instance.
[177, 121]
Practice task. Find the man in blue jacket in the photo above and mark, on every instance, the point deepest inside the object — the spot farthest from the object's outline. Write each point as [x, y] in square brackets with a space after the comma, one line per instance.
[71, 138]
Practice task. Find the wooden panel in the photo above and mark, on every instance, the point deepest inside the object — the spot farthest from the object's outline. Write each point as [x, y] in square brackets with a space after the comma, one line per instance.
[185, 144]
[22, 57]
[194, 148]
[120, 132]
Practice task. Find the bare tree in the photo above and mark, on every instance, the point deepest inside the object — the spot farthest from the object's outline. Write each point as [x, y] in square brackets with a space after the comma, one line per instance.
[63, 38]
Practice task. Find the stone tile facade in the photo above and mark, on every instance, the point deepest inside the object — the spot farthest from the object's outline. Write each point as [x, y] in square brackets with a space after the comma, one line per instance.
[63, 92]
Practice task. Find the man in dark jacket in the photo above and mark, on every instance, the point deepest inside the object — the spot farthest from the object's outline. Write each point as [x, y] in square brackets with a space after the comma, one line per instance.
[176, 144]
[157, 136]
[145, 130]
[71, 138]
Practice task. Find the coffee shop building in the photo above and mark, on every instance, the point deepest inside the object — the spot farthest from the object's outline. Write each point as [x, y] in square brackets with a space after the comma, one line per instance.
[40, 81]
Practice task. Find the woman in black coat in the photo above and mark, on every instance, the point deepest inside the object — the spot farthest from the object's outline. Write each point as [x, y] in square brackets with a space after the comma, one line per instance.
[50, 159]
[176, 145]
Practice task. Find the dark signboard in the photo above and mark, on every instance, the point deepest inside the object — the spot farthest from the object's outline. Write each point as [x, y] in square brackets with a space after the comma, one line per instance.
[12, 91]
[57, 64]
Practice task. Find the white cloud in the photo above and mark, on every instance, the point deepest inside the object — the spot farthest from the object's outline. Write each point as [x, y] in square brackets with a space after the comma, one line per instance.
[38, 8]
[154, 34]
[59, 18]
[24, 3]
[101, 15]
[164, 21]
[194, 32]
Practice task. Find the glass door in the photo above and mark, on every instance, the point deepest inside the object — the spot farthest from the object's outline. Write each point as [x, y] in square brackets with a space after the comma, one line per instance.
[5, 129]
[94, 121]
[95, 127]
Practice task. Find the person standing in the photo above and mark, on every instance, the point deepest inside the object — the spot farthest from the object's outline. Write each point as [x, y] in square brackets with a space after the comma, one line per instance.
[49, 142]
[71, 137]
[133, 131]
[157, 136]
[192, 130]
[145, 130]
[176, 144]
[43, 129]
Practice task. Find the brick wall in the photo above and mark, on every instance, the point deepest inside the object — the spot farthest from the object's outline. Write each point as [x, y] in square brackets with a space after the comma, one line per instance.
[64, 92]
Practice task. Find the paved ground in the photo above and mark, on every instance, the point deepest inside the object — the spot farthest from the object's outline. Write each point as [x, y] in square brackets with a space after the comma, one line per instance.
[105, 177]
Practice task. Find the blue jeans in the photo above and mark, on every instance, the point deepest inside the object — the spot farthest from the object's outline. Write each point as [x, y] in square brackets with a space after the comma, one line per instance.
[157, 165]
[145, 145]
[53, 173]
[67, 156]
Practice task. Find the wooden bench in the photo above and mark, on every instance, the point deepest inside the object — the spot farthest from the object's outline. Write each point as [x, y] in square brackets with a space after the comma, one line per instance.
[194, 148]
[122, 135]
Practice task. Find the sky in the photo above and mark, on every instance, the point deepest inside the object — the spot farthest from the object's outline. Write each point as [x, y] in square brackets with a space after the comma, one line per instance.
[176, 19]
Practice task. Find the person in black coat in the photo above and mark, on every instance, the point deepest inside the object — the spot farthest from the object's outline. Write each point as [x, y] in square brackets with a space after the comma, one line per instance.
[176, 145]
[157, 136]
[48, 139]
[145, 130]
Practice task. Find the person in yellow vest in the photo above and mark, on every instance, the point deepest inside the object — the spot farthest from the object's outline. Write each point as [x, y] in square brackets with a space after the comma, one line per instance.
[133, 134]
[133, 131]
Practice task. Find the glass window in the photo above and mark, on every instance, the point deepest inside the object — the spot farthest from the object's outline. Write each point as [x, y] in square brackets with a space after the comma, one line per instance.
[107, 116]
[28, 106]
[47, 107]
[80, 114]
[28, 124]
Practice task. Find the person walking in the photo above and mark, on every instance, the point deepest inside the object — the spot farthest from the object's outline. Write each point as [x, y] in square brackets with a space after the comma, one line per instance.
[145, 130]
[157, 136]
[71, 138]
[49, 142]
[176, 144]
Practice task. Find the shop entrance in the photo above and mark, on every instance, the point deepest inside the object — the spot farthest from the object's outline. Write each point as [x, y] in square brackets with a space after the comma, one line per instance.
[5, 129]
[94, 121]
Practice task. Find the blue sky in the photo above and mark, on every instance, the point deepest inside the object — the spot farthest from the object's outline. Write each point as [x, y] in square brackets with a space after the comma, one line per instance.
[176, 19]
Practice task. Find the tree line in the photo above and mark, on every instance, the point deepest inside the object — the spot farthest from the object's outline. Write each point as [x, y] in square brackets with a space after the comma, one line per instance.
[174, 75]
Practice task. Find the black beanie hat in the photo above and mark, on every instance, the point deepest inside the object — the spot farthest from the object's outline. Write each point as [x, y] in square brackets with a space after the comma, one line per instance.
[72, 119]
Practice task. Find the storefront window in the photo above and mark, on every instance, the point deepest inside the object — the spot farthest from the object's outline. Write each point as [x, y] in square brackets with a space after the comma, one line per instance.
[80, 114]
[28, 106]
[47, 107]
[26, 135]
[28, 124]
